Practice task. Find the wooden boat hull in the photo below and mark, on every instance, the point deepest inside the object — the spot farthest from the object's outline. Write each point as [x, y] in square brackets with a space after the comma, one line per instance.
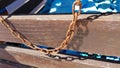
[97, 33]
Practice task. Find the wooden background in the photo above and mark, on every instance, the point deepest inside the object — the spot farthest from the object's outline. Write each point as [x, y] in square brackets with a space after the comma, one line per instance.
[97, 33]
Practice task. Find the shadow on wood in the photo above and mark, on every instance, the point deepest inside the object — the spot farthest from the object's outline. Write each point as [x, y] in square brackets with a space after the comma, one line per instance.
[8, 61]
[97, 34]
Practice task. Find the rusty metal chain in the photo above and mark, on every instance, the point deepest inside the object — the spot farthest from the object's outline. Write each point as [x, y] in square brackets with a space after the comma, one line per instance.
[69, 35]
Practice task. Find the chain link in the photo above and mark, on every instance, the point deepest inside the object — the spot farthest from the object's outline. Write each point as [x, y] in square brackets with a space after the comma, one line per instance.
[67, 58]
[63, 45]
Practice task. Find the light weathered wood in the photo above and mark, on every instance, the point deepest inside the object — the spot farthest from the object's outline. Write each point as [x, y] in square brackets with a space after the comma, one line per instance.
[37, 59]
[101, 37]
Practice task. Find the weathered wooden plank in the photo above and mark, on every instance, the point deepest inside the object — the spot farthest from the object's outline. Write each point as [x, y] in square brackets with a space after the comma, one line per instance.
[102, 35]
[45, 29]
[10, 64]
[37, 59]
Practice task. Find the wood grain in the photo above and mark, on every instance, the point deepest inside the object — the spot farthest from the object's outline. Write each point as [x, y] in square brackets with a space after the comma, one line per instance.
[39, 60]
[102, 35]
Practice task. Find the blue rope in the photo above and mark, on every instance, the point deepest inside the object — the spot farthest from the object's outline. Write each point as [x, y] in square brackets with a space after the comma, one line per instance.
[86, 55]
[2, 10]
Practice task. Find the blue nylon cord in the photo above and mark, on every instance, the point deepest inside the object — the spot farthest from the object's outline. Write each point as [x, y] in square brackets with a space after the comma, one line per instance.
[82, 54]
[2, 10]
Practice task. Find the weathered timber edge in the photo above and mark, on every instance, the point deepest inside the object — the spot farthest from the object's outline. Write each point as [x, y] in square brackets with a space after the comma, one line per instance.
[37, 59]
[101, 17]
